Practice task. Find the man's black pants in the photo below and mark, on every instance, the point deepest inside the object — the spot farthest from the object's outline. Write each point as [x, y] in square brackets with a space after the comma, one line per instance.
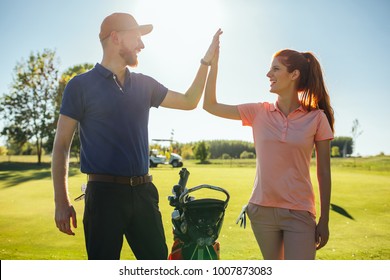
[114, 210]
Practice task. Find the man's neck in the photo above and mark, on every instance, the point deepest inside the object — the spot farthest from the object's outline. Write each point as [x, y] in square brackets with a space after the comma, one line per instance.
[119, 70]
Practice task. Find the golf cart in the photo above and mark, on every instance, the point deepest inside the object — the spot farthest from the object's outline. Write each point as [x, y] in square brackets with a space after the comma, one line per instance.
[155, 159]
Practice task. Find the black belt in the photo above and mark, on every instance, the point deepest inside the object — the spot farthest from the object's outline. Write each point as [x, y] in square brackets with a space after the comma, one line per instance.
[131, 181]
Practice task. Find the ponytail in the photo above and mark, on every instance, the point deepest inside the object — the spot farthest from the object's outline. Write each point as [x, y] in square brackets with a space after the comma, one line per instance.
[315, 90]
[311, 85]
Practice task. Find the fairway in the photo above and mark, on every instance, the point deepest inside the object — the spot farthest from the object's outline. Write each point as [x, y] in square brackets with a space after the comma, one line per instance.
[361, 188]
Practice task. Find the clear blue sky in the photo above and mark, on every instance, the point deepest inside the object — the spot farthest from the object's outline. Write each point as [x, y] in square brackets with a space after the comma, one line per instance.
[350, 37]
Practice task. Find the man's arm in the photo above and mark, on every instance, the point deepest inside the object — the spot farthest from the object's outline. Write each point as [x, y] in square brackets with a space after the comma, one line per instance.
[64, 211]
[190, 99]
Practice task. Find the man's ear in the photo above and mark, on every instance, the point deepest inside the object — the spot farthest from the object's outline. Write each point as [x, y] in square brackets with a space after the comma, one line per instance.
[114, 37]
[295, 74]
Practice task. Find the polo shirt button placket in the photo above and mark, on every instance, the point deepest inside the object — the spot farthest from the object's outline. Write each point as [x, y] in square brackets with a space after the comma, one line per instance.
[285, 127]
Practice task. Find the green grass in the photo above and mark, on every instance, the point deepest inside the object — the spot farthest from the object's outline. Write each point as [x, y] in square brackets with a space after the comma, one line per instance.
[360, 186]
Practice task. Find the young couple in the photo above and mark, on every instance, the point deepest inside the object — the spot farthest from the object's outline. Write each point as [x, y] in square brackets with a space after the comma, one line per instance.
[110, 106]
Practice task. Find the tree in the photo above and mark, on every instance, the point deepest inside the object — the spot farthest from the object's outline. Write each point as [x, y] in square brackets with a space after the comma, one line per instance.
[335, 152]
[3, 150]
[201, 151]
[356, 132]
[344, 144]
[63, 81]
[29, 107]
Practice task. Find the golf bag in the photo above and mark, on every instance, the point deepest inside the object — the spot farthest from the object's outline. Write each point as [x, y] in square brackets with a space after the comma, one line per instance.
[196, 222]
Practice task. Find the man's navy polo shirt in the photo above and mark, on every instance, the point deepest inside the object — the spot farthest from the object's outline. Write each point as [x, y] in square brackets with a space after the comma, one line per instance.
[113, 120]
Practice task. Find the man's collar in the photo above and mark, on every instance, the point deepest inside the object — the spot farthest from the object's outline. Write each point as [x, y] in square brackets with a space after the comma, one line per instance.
[105, 72]
[102, 70]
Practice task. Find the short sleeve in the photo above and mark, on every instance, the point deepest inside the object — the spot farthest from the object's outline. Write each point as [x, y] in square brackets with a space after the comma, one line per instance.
[72, 100]
[248, 112]
[324, 131]
[158, 93]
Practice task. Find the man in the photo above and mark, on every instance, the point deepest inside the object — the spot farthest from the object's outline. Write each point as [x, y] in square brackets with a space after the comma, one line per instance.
[111, 106]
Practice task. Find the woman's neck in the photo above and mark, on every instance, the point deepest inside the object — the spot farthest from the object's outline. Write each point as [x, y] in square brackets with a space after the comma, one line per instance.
[288, 104]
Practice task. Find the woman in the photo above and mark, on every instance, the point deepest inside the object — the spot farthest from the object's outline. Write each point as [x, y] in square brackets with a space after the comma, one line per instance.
[282, 204]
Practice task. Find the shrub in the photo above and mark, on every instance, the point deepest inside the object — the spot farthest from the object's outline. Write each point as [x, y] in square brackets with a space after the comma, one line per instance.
[226, 156]
[246, 155]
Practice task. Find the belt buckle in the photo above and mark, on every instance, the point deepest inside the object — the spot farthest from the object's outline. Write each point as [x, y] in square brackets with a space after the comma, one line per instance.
[132, 183]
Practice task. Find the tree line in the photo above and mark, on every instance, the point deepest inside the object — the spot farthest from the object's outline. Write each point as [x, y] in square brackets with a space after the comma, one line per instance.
[214, 149]
[30, 112]
[235, 149]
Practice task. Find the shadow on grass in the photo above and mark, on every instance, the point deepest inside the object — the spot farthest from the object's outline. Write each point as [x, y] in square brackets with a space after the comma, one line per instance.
[341, 211]
[14, 173]
[204, 162]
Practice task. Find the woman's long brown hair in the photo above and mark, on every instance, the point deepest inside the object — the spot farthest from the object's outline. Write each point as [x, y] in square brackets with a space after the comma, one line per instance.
[311, 85]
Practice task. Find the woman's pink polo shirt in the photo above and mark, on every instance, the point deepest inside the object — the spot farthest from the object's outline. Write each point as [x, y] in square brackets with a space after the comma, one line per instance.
[284, 147]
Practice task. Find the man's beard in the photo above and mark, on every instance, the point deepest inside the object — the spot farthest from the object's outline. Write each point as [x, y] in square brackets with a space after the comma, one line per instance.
[129, 57]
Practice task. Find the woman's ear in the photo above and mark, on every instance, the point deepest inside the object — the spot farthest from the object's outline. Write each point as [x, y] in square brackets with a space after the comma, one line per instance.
[295, 74]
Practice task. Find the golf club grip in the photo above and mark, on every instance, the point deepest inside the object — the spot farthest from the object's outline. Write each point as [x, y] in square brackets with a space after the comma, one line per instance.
[184, 174]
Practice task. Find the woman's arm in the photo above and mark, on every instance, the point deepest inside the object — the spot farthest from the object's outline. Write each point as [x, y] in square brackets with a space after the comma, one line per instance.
[324, 182]
[190, 99]
[210, 103]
